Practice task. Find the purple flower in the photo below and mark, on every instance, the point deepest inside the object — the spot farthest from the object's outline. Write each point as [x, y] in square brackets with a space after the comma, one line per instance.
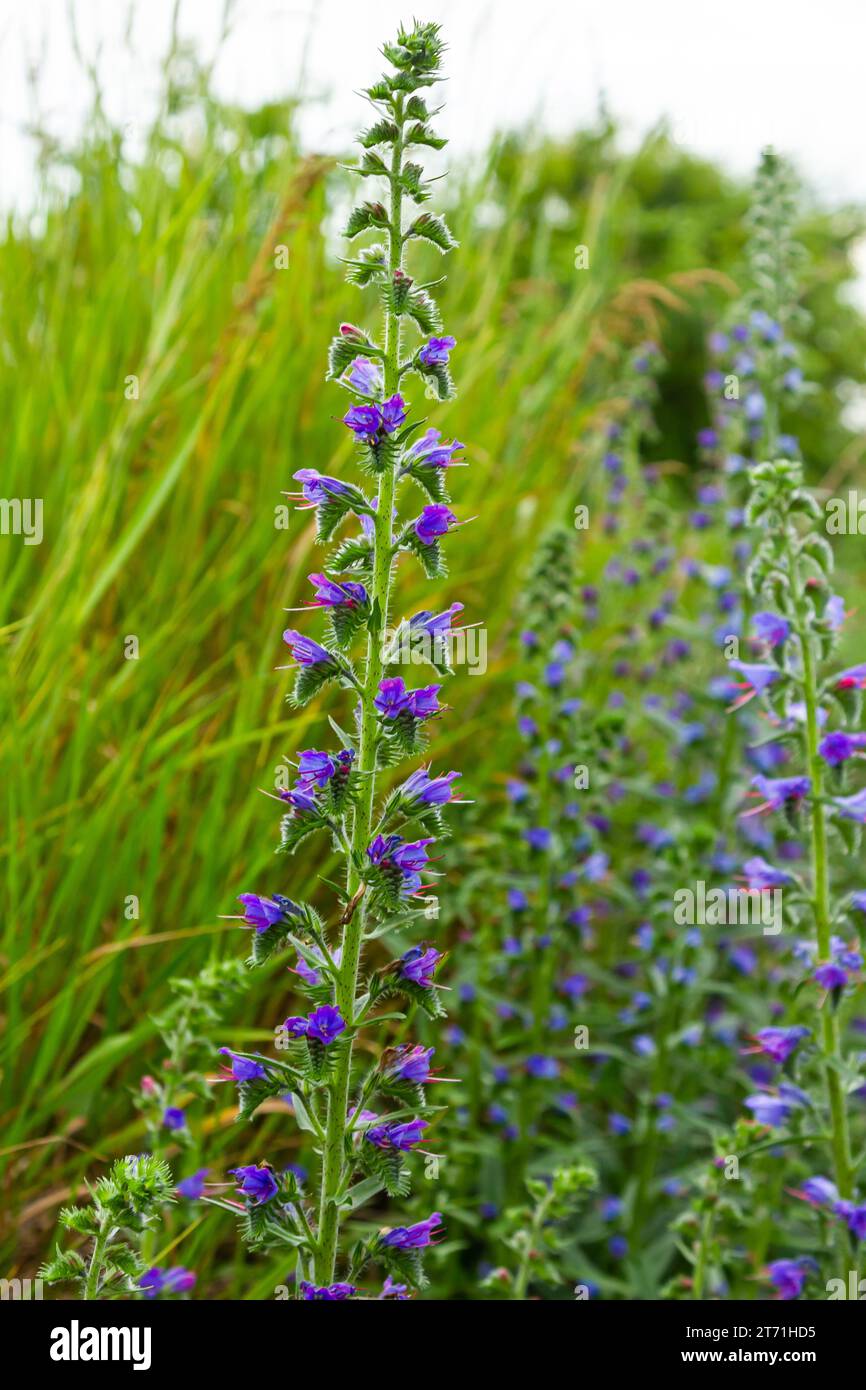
[834, 612]
[369, 423]
[781, 791]
[426, 790]
[193, 1186]
[793, 379]
[757, 678]
[411, 857]
[389, 852]
[836, 748]
[392, 1290]
[391, 699]
[759, 874]
[306, 971]
[435, 353]
[379, 849]
[402, 1137]
[176, 1280]
[242, 1068]
[574, 986]
[789, 1276]
[256, 1182]
[326, 1293]
[365, 376]
[780, 1043]
[418, 965]
[818, 1192]
[517, 900]
[394, 699]
[393, 414]
[852, 807]
[854, 1217]
[315, 769]
[323, 1025]
[416, 1237]
[433, 522]
[769, 1110]
[423, 702]
[318, 487]
[554, 674]
[766, 327]
[436, 624]
[619, 1124]
[364, 421]
[771, 628]
[305, 651]
[754, 407]
[430, 452]
[538, 837]
[543, 1068]
[302, 803]
[854, 678]
[831, 975]
[330, 594]
[408, 1063]
[174, 1118]
[259, 912]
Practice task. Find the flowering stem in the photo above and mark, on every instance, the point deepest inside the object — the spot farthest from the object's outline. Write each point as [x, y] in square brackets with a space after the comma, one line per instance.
[831, 1045]
[546, 967]
[333, 1157]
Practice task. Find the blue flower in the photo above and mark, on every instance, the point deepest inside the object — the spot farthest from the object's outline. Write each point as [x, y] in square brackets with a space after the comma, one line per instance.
[256, 1182]
[435, 353]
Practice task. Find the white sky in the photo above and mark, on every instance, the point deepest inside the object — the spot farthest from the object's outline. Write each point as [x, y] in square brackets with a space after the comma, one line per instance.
[732, 75]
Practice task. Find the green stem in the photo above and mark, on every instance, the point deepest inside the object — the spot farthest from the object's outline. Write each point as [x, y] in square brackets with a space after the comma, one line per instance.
[830, 1037]
[333, 1157]
[542, 980]
[700, 1279]
[521, 1282]
[94, 1273]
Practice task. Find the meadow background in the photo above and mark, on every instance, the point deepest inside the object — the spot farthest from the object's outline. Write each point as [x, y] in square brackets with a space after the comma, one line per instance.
[137, 778]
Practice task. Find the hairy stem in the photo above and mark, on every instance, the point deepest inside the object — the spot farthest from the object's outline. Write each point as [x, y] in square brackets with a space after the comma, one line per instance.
[94, 1273]
[521, 1282]
[333, 1158]
[830, 1037]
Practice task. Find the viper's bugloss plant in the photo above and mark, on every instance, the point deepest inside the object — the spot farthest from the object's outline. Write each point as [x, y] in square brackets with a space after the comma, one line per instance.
[536, 1232]
[785, 615]
[814, 713]
[187, 1030]
[127, 1202]
[384, 825]
[132, 1204]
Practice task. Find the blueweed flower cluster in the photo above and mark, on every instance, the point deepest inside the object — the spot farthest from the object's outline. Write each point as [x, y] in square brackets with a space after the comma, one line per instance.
[680, 958]
[383, 823]
[589, 834]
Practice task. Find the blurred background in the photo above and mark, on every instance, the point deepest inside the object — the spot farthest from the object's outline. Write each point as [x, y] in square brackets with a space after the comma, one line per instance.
[161, 381]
